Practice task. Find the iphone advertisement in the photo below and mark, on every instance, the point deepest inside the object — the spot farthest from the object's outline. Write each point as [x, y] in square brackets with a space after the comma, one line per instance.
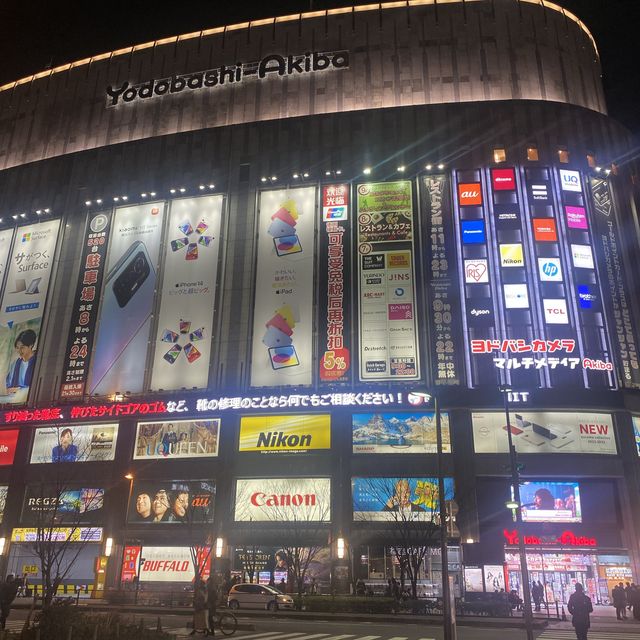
[185, 321]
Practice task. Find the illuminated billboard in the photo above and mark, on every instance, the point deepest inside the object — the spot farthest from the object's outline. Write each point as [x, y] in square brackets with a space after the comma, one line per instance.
[285, 434]
[398, 499]
[168, 440]
[398, 433]
[548, 432]
[283, 500]
[544, 501]
[74, 443]
[157, 502]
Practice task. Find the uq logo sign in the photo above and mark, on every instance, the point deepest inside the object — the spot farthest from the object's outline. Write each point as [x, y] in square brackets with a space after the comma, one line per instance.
[271, 65]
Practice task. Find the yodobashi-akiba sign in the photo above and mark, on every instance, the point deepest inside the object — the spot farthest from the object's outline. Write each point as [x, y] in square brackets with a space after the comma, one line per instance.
[283, 500]
[271, 65]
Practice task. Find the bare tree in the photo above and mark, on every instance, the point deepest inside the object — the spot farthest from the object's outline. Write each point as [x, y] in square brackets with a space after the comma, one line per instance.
[63, 514]
[412, 505]
[305, 515]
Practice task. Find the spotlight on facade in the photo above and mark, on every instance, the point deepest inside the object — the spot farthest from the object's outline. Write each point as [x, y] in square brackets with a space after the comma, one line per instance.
[172, 190]
[15, 216]
[212, 186]
[118, 396]
[263, 179]
[38, 212]
[511, 504]
[201, 187]
[182, 189]
[274, 178]
[88, 203]
[429, 167]
[23, 215]
[598, 169]
[143, 195]
[153, 194]
[125, 198]
[327, 173]
[401, 168]
[469, 540]
[305, 175]
[367, 171]
[441, 166]
[338, 172]
[99, 200]
[295, 176]
[47, 210]
[116, 199]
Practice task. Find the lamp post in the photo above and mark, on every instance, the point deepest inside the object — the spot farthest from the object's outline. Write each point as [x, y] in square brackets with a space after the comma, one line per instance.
[516, 505]
[448, 623]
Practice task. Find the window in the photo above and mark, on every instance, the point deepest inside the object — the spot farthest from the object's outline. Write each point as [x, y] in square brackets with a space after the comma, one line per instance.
[591, 160]
[563, 156]
[499, 155]
[532, 154]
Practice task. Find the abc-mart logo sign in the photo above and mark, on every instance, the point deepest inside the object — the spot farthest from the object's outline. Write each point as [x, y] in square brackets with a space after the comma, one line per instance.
[271, 65]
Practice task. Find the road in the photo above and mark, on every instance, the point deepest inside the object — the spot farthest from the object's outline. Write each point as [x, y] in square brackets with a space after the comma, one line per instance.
[272, 628]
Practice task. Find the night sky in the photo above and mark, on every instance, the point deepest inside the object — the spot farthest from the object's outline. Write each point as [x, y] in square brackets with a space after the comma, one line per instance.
[37, 34]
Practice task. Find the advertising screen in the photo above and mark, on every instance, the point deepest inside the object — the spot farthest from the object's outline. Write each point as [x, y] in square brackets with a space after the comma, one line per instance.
[550, 502]
[4, 490]
[174, 502]
[185, 320]
[8, 441]
[493, 577]
[76, 443]
[283, 304]
[398, 499]
[283, 500]
[47, 505]
[551, 432]
[387, 295]
[58, 534]
[165, 564]
[126, 305]
[636, 431]
[29, 274]
[177, 439]
[398, 433]
[286, 434]
[473, 579]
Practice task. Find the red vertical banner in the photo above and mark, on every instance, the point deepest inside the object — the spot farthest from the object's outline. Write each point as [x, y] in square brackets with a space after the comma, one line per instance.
[85, 306]
[130, 560]
[334, 274]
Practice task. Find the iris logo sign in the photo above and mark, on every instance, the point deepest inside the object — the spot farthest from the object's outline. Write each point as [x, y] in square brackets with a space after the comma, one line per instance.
[549, 270]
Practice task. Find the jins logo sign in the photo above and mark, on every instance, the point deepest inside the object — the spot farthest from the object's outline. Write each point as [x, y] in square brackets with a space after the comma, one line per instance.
[271, 65]
[469, 194]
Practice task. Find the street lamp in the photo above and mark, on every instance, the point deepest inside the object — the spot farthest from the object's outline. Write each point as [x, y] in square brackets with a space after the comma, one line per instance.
[129, 477]
[516, 505]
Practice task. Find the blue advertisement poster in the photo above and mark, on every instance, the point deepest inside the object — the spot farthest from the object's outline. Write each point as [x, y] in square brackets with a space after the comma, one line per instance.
[398, 498]
[399, 433]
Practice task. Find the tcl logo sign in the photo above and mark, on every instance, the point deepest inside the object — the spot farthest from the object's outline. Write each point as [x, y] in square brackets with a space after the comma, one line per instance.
[503, 179]
[469, 194]
[555, 311]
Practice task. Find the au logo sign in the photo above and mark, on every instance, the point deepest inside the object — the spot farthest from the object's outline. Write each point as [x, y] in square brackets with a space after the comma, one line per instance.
[290, 434]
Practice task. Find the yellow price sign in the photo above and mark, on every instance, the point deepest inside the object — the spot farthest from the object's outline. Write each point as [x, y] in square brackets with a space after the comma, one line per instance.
[31, 569]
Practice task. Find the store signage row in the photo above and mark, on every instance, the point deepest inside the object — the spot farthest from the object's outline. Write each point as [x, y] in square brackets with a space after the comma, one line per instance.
[565, 539]
[270, 65]
[294, 401]
[57, 534]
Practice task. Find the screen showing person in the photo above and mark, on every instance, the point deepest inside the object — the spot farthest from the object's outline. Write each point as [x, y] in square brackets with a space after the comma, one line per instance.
[551, 502]
[66, 450]
[20, 373]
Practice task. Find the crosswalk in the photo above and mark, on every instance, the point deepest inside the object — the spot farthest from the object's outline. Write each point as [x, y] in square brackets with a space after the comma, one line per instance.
[570, 634]
[277, 635]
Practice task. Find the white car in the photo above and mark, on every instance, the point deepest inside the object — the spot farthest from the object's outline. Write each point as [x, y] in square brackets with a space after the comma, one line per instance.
[257, 596]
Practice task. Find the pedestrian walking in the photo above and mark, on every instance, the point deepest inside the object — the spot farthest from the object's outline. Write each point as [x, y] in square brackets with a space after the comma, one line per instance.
[627, 588]
[634, 601]
[619, 598]
[536, 595]
[212, 603]
[580, 607]
[199, 609]
[8, 591]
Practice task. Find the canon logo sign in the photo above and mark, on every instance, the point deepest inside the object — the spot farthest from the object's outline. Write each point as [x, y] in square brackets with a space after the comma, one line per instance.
[260, 499]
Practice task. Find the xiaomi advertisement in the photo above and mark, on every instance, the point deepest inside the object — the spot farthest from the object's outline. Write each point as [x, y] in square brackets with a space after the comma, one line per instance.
[553, 432]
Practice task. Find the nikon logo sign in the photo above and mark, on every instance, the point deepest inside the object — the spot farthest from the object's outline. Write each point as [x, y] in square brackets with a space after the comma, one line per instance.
[270, 66]
[291, 434]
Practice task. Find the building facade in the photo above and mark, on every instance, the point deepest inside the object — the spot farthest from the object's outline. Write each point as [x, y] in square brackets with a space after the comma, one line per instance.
[240, 265]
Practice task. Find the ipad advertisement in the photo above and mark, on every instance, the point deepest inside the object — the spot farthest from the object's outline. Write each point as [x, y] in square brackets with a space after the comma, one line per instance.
[119, 358]
[283, 309]
[399, 433]
[23, 301]
[553, 432]
[185, 320]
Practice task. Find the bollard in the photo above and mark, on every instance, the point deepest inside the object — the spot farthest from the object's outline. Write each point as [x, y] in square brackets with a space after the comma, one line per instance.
[38, 633]
[141, 624]
[557, 611]
[117, 630]
[70, 632]
[564, 615]
[95, 632]
[159, 626]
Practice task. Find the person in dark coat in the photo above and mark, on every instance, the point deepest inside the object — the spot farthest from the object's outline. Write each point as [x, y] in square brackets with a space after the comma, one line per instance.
[8, 592]
[580, 607]
[212, 603]
[536, 594]
[200, 609]
[619, 598]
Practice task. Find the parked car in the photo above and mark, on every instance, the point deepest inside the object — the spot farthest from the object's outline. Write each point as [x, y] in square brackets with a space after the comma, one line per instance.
[258, 596]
